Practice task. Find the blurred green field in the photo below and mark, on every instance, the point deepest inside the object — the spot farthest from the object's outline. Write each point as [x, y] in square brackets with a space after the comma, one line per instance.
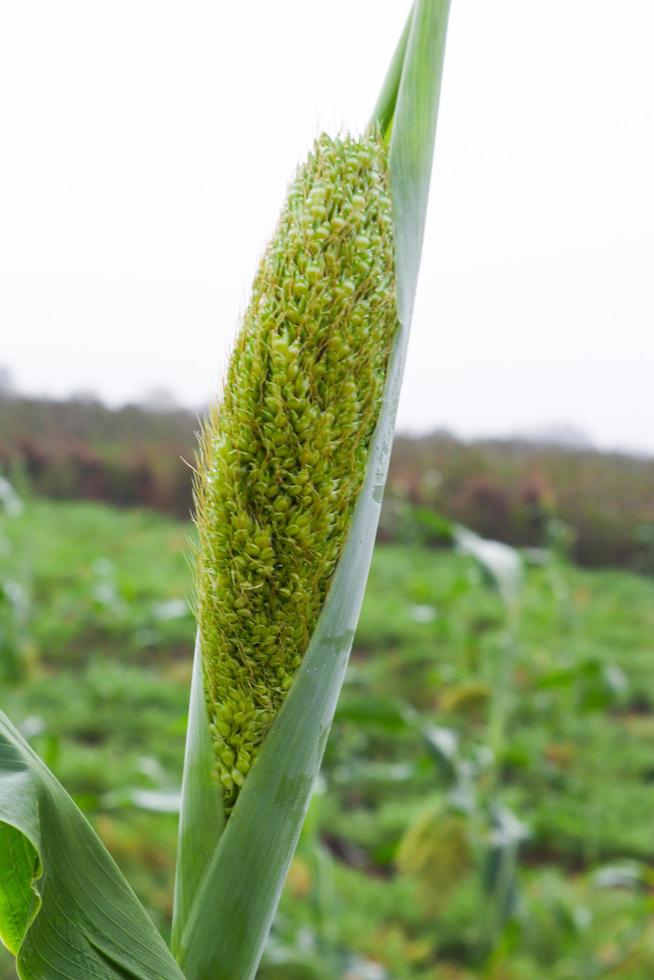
[487, 798]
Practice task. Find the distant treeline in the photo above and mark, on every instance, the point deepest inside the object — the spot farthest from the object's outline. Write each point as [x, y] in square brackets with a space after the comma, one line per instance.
[601, 505]
[79, 448]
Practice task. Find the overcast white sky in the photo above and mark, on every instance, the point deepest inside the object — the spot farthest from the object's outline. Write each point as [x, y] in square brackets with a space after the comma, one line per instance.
[146, 147]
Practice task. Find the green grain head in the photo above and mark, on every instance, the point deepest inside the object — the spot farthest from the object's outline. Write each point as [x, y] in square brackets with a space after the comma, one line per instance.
[283, 456]
[437, 854]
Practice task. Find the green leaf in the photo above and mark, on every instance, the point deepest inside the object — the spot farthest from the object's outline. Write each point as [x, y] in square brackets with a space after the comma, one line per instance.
[412, 144]
[384, 714]
[500, 563]
[66, 912]
[385, 108]
[224, 932]
[201, 819]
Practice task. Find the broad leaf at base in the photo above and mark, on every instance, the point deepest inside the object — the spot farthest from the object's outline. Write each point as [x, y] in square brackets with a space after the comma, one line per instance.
[66, 911]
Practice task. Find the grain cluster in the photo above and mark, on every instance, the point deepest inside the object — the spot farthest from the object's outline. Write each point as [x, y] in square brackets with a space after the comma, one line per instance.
[283, 455]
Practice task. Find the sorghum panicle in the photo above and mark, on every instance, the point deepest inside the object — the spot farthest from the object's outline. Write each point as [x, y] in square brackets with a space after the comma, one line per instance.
[283, 457]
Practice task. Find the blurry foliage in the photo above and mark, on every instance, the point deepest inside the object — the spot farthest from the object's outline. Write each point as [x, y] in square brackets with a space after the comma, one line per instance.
[436, 851]
[597, 507]
[81, 449]
[487, 796]
[15, 648]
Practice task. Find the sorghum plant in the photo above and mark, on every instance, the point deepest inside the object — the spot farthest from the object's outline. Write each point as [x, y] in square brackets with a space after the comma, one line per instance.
[290, 478]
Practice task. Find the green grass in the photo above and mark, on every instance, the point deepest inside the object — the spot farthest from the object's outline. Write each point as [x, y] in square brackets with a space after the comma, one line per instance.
[95, 654]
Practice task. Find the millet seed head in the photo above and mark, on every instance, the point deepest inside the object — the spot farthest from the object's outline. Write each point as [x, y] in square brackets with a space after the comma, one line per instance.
[283, 457]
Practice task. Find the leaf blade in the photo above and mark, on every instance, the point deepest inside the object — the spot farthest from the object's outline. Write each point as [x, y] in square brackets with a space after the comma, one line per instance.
[76, 916]
[413, 139]
[385, 107]
[202, 819]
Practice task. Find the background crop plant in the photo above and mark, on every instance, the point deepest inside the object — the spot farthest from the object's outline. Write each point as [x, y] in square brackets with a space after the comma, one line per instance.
[291, 475]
